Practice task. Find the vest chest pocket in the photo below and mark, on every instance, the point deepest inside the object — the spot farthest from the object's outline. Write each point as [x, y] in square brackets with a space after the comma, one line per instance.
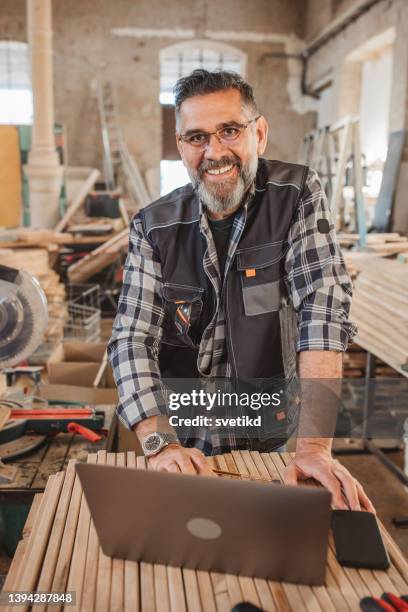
[261, 277]
[183, 305]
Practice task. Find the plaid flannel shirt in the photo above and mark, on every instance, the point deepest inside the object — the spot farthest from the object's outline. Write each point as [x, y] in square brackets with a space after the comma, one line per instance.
[316, 281]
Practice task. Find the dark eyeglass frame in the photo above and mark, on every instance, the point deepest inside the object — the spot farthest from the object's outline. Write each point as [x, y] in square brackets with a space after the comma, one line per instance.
[222, 140]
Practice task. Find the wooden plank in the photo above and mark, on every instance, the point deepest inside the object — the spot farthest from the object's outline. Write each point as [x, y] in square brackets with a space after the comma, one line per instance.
[192, 590]
[206, 591]
[177, 595]
[270, 466]
[147, 590]
[276, 589]
[77, 567]
[92, 559]
[260, 465]
[55, 554]
[10, 177]
[294, 593]
[219, 581]
[17, 562]
[240, 463]
[340, 603]
[131, 587]
[104, 576]
[118, 565]
[78, 200]
[161, 587]
[61, 572]
[38, 540]
[265, 595]
[233, 583]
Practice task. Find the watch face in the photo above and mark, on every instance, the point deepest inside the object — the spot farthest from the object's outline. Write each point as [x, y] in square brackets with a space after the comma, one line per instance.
[152, 442]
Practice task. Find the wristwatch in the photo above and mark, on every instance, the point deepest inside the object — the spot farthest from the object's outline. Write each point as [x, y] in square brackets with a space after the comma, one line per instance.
[154, 442]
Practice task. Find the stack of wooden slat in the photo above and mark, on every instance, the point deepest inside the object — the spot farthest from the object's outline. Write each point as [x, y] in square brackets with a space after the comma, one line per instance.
[354, 364]
[36, 262]
[60, 551]
[380, 307]
[380, 244]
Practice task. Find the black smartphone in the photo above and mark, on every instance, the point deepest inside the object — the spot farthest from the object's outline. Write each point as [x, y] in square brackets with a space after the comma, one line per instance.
[358, 540]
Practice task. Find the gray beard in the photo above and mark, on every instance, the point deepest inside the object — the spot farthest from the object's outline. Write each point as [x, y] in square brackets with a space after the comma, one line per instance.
[219, 201]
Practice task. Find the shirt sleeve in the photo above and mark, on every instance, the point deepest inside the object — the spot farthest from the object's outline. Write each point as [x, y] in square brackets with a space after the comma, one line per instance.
[137, 330]
[316, 277]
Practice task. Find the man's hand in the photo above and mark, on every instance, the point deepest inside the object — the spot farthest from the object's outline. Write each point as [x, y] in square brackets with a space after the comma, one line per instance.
[175, 458]
[319, 464]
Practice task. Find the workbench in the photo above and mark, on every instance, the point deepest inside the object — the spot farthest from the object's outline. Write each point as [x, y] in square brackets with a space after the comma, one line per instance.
[34, 469]
[59, 551]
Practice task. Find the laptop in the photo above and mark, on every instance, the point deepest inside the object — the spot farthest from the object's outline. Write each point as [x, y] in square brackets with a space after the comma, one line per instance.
[223, 525]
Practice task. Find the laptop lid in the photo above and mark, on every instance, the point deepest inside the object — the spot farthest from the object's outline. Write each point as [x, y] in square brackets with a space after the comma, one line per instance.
[248, 528]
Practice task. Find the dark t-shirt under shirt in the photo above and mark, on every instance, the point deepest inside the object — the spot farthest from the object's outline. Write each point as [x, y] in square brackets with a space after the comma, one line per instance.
[221, 229]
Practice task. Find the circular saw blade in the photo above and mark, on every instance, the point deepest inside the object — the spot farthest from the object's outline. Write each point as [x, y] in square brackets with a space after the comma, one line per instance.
[23, 315]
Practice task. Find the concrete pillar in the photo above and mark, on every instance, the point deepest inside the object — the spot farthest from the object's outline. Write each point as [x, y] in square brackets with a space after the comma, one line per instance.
[43, 169]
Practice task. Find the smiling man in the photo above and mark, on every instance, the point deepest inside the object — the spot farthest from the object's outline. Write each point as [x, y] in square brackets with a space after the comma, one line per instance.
[214, 273]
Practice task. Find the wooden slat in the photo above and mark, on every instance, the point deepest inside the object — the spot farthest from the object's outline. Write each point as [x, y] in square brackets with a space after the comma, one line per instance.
[131, 587]
[18, 559]
[219, 581]
[77, 567]
[276, 588]
[233, 583]
[176, 589]
[192, 590]
[38, 540]
[92, 559]
[206, 591]
[104, 576]
[147, 586]
[161, 587]
[54, 554]
[118, 565]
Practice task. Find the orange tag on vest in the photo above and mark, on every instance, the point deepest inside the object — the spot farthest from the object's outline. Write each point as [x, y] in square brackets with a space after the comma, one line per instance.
[250, 272]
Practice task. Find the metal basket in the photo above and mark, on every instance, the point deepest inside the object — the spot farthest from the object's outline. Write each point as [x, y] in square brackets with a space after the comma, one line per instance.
[84, 322]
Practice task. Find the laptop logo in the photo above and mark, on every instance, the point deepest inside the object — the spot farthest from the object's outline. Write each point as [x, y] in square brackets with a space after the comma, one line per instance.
[204, 528]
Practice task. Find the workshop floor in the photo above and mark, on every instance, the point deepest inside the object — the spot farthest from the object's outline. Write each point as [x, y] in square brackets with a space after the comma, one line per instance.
[388, 495]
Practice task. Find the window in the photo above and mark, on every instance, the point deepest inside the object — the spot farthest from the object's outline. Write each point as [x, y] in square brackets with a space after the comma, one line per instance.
[16, 102]
[180, 60]
[177, 61]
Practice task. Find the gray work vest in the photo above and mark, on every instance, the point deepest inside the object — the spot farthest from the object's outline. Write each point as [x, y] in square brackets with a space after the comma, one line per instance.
[261, 327]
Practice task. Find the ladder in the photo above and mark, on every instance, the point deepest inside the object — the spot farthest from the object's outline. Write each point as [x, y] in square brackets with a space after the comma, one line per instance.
[116, 155]
[330, 151]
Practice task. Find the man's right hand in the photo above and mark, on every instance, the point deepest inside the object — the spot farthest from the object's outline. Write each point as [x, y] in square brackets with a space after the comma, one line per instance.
[175, 458]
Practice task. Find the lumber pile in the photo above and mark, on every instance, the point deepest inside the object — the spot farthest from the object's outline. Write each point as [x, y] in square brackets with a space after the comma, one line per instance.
[380, 307]
[354, 364]
[60, 547]
[28, 238]
[36, 262]
[380, 244]
[99, 258]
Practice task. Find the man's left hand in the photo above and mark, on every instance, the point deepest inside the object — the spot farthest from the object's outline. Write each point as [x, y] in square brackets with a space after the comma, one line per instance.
[347, 492]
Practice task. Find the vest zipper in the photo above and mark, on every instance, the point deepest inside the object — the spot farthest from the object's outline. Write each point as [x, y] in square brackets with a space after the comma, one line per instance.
[228, 330]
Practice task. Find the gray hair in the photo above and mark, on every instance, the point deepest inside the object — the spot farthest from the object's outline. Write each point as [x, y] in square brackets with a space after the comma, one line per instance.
[201, 82]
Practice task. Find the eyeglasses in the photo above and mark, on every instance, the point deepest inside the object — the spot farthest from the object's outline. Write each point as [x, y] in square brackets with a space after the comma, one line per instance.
[226, 135]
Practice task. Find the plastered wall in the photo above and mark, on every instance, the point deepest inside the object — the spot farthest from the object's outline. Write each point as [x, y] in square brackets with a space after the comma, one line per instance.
[85, 49]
